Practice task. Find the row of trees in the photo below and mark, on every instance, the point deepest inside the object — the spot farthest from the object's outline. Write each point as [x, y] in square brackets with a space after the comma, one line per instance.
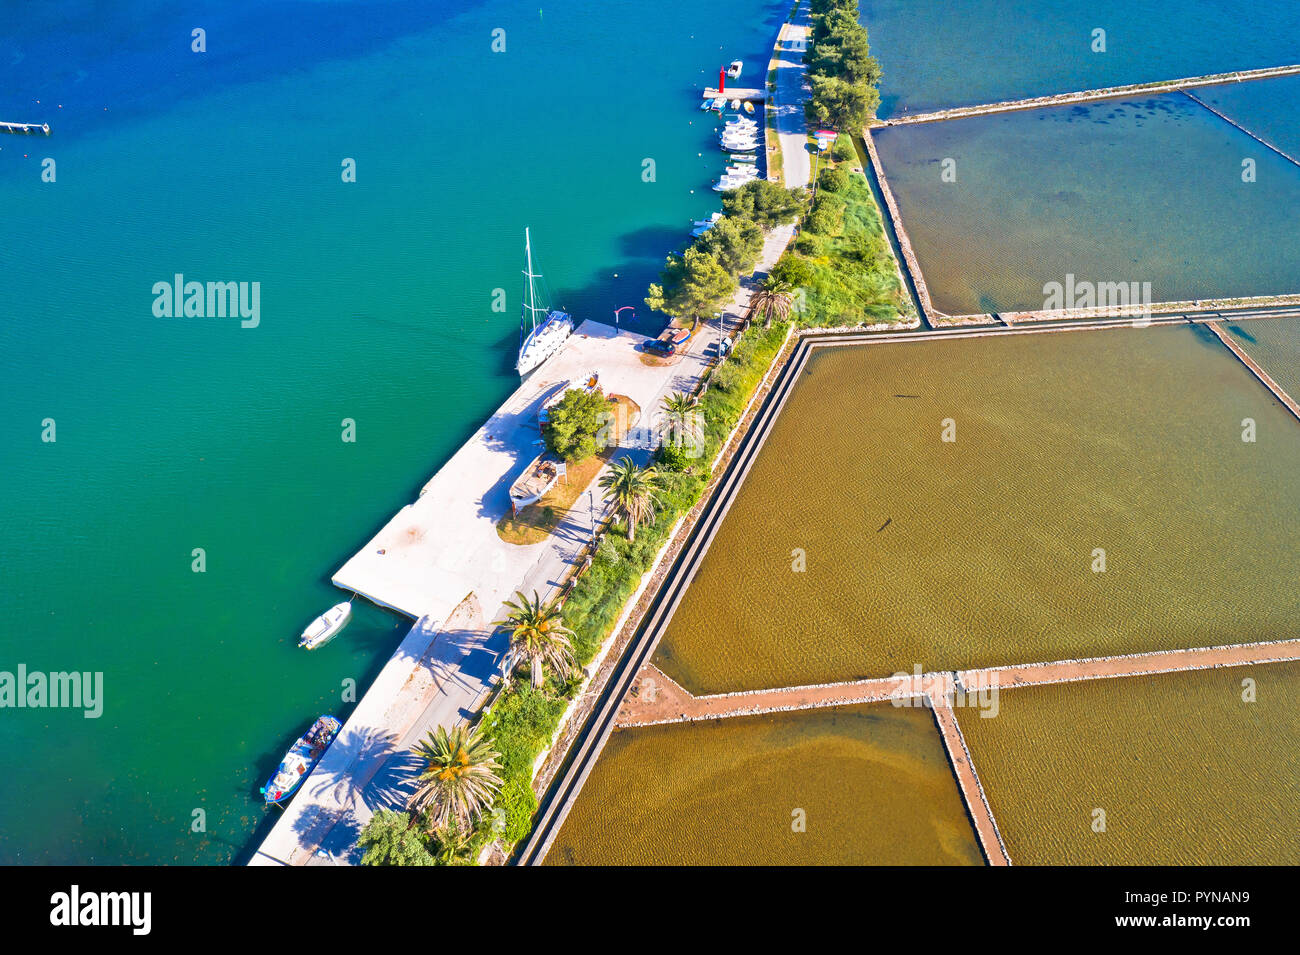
[697, 282]
[462, 770]
[841, 68]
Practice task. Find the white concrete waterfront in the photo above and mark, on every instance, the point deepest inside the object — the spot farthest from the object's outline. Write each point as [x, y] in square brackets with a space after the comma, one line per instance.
[441, 561]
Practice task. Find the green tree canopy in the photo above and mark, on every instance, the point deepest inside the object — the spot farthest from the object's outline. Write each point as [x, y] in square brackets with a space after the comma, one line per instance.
[840, 103]
[574, 424]
[843, 72]
[692, 284]
[735, 243]
[389, 839]
[764, 203]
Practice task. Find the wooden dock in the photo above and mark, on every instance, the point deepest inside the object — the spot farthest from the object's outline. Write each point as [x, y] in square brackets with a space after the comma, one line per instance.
[26, 129]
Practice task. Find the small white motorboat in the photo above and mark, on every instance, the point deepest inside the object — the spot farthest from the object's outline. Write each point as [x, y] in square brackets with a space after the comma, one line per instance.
[739, 146]
[704, 225]
[733, 71]
[744, 157]
[735, 104]
[719, 102]
[729, 183]
[326, 627]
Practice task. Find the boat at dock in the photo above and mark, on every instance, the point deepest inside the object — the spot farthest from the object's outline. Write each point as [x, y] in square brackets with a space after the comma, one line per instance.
[327, 626]
[538, 478]
[301, 759]
[542, 330]
[702, 226]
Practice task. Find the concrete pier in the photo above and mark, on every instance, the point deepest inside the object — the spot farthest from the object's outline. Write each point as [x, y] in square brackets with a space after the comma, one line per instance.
[745, 95]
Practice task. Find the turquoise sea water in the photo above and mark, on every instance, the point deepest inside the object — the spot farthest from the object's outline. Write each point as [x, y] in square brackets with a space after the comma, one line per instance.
[176, 434]
[1140, 190]
[942, 53]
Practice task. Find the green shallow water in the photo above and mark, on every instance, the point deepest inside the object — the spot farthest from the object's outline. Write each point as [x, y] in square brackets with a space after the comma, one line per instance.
[980, 552]
[873, 782]
[1147, 190]
[1274, 344]
[1185, 770]
[376, 305]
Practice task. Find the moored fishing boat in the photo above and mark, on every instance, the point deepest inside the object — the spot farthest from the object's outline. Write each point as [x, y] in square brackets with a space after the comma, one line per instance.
[301, 759]
[326, 627]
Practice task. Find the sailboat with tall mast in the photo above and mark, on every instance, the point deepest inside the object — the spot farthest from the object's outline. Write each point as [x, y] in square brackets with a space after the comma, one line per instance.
[542, 329]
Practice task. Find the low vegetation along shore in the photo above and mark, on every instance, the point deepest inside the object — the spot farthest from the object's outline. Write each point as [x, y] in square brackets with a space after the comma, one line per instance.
[477, 785]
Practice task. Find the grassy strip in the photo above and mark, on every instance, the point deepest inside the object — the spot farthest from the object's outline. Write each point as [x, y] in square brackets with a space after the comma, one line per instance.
[523, 721]
[842, 260]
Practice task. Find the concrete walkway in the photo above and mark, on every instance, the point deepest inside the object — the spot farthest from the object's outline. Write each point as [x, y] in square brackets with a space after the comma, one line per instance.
[787, 104]
[441, 560]
[655, 698]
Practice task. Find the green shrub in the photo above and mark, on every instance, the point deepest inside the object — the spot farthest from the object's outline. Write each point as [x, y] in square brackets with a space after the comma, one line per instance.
[822, 220]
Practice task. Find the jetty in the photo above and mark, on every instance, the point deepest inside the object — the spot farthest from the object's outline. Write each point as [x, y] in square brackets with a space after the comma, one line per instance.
[1264, 377]
[25, 129]
[1085, 96]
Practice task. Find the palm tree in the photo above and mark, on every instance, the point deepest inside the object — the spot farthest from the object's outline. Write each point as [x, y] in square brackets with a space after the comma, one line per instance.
[633, 490]
[681, 419]
[773, 296]
[537, 631]
[459, 777]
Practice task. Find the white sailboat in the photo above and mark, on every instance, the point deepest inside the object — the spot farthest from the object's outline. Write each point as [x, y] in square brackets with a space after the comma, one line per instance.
[542, 330]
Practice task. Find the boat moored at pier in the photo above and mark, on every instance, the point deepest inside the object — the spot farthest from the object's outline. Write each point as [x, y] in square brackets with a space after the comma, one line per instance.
[301, 759]
[543, 330]
[326, 627]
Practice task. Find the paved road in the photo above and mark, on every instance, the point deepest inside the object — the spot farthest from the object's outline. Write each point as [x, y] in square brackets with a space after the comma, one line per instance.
[787, 109]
